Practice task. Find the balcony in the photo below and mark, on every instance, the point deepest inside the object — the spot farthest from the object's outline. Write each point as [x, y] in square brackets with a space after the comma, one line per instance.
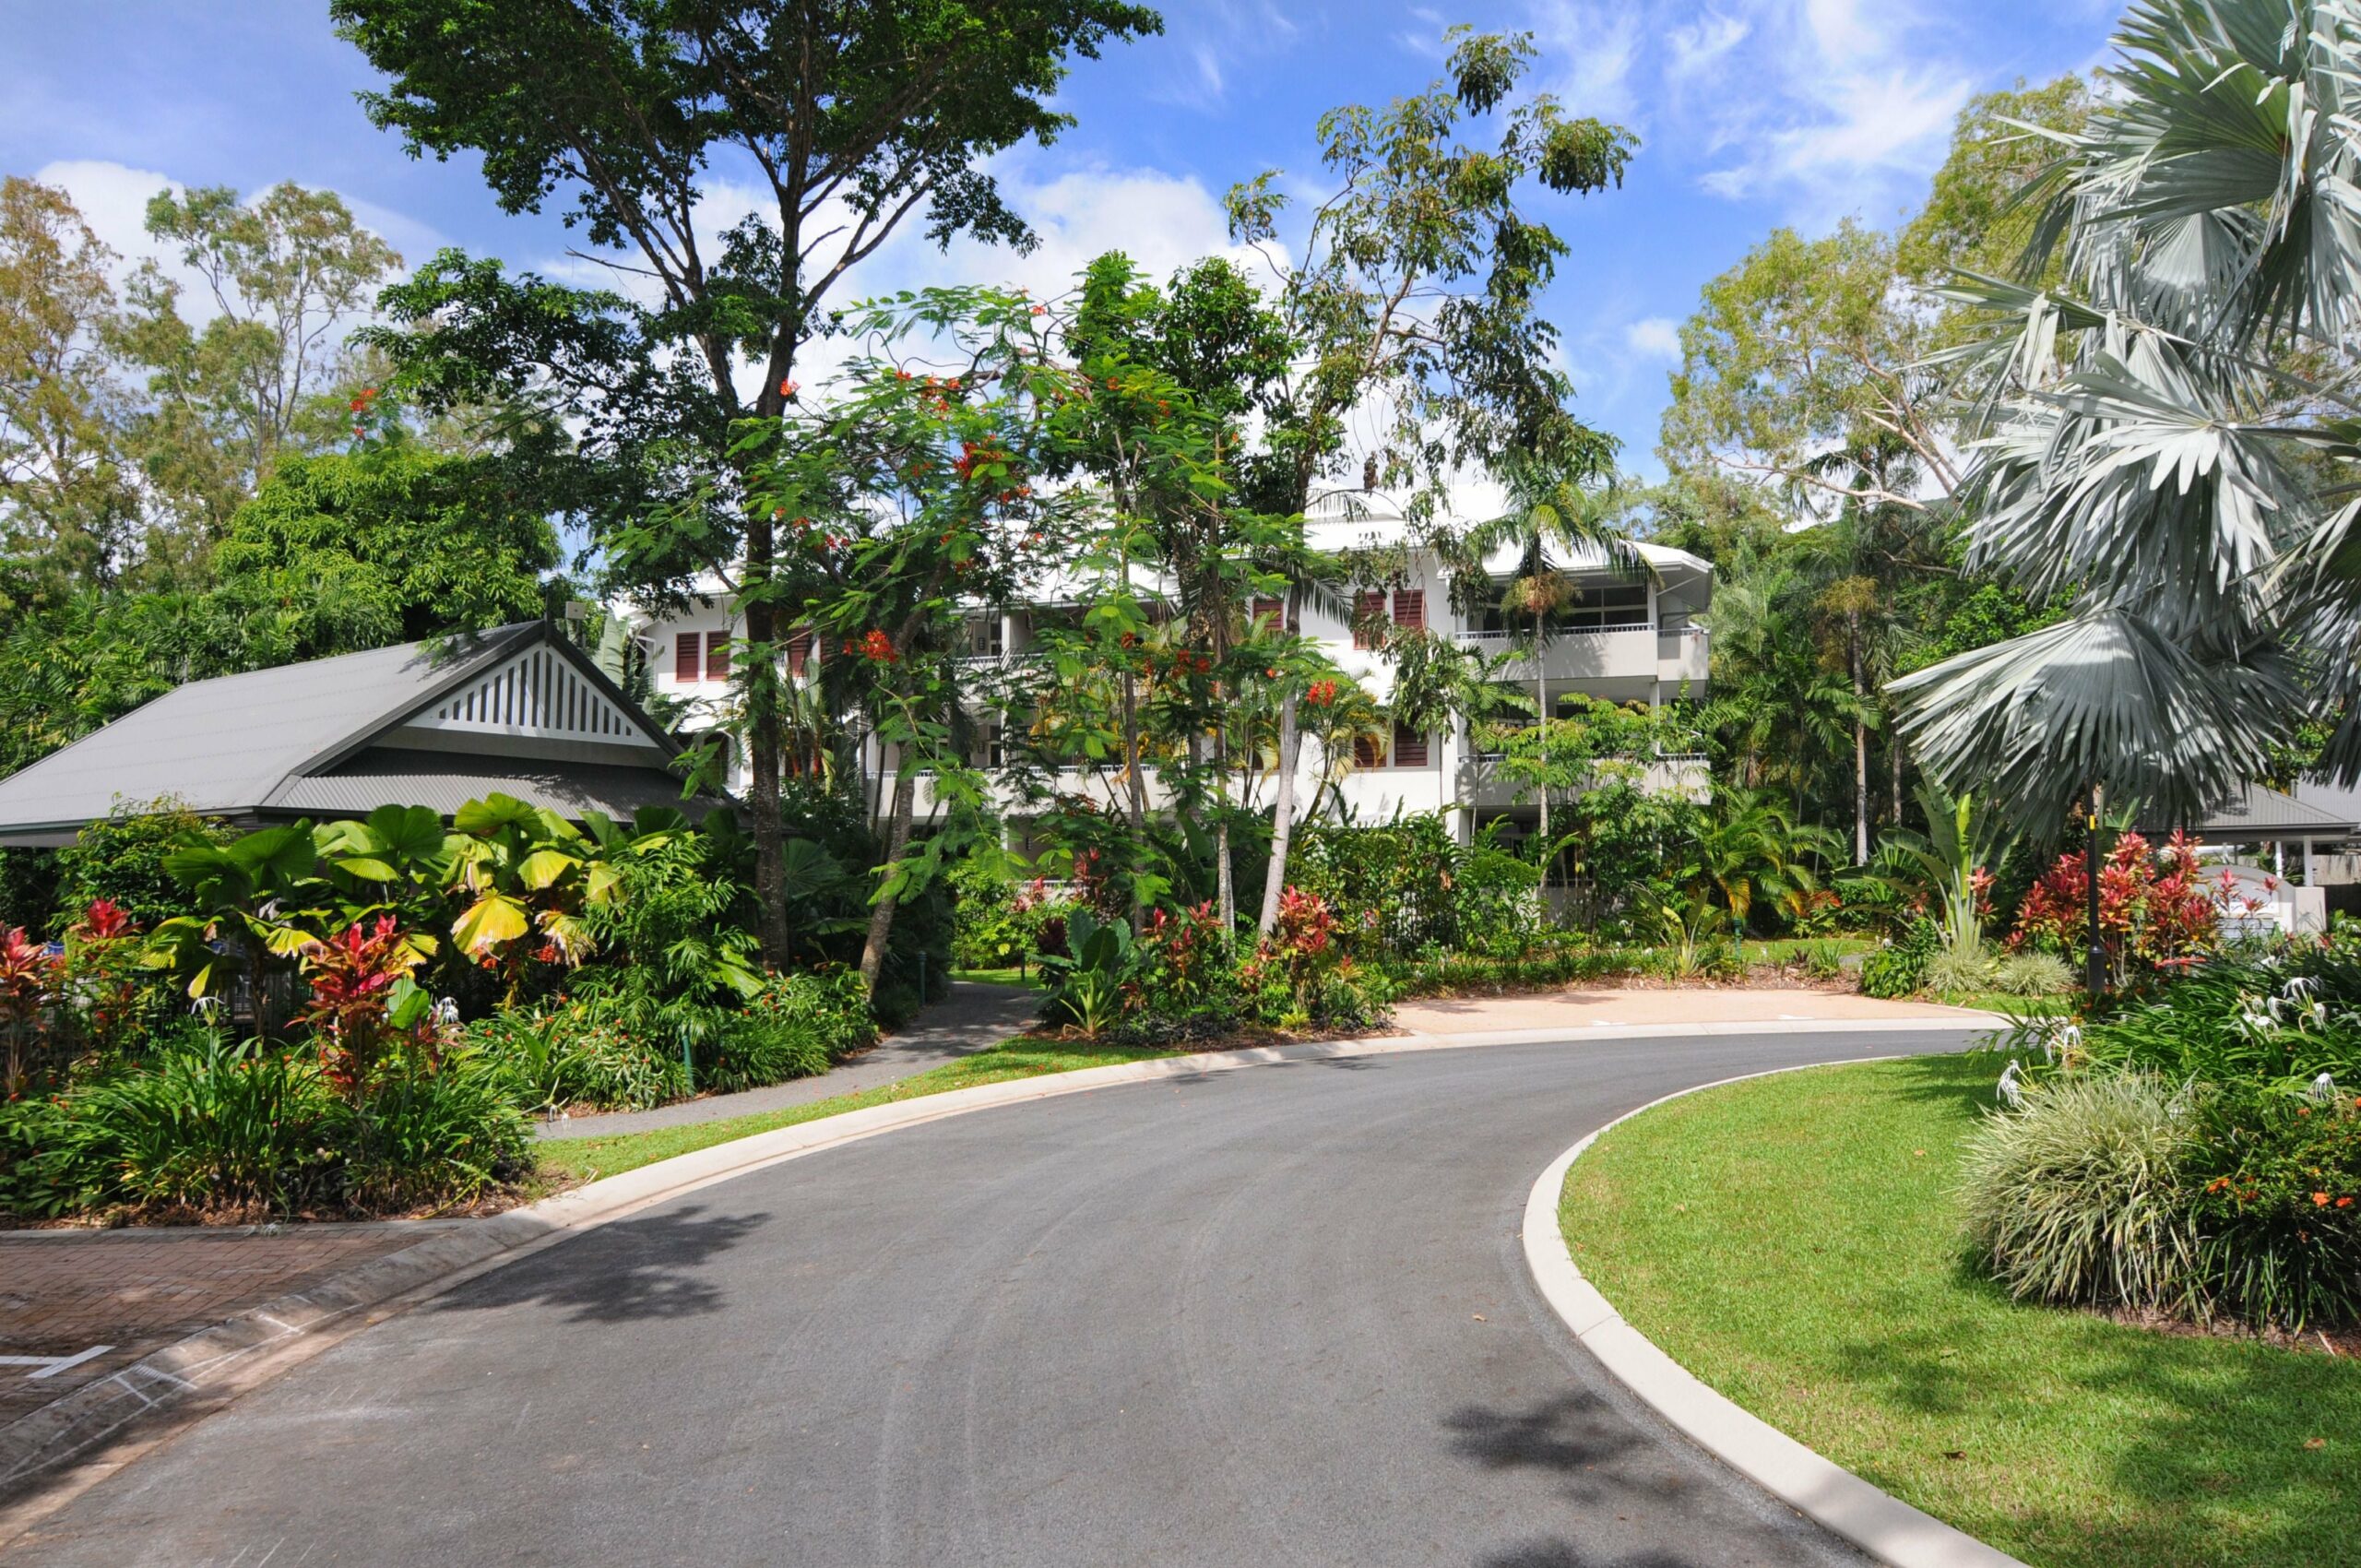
[1583, 653]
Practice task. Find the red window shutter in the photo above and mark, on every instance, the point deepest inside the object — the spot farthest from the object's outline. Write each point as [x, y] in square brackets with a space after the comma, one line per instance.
[1410, 608]
[799, 652]
[1409, 747]
[1365, 752]
[688, 661]
[1266, 614]
[717, 655]
[1367, 608]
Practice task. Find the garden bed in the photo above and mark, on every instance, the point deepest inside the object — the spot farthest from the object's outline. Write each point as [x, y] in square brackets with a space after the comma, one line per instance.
[1796, 1242]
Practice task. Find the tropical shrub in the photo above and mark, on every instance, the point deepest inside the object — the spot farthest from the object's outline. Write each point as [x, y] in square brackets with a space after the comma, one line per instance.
[793, 1026]
[2155, 908]
[1957, 970]
[2276, 1019]
[2075, 1196]
[576, 1053]
[1899, 968]
[2032, 973]
[121, 858]
[431, 1135]
[2275, 1185]
[1089, 978]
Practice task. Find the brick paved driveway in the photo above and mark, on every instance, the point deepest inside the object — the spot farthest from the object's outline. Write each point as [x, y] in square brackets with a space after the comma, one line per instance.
[64, 1291]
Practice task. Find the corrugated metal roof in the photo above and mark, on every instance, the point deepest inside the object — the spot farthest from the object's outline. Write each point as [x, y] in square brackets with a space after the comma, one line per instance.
[2260, 812]
[385, 775]
[238, 743]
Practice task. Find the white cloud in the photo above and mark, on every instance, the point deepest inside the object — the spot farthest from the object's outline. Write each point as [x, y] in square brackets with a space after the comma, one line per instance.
[1654, 338]
[113, 200]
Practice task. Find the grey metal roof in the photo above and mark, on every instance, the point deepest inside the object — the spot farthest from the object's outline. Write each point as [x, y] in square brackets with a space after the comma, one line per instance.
[2260, 812]
[241, 743]
[378, 775]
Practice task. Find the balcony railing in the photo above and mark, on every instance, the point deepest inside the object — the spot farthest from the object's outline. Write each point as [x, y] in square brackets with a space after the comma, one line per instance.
[1496, 639]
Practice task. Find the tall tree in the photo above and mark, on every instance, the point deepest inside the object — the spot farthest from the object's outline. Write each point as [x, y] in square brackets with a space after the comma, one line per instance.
[1414, 290]
[850, 120]
[286, 276]
[65, 511]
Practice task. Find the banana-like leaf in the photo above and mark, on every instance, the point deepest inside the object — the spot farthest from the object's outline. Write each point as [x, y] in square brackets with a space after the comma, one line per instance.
[543, 867]
[491, 922]
[365, 867]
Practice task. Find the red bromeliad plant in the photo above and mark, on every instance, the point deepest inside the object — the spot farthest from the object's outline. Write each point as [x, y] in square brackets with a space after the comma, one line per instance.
[355, 1009]
[2154, 907]
[28, 980]
[99, 976]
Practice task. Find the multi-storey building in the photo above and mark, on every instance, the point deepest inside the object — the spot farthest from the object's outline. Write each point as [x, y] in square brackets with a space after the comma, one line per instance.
[1624, 637]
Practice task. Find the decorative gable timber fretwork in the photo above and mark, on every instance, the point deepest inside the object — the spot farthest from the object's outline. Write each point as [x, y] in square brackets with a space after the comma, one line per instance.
[538, 697]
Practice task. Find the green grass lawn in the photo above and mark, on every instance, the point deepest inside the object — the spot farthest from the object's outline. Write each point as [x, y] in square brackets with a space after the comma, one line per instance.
[584, 1160]
[1794, 1242]
[2001, 1001]
[1031, 978]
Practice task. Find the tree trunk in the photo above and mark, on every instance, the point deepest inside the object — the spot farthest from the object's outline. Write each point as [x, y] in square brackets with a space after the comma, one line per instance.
[1893, 761]
[762, 745]
[1225, 885]
[1541, 717]
[881, 914]
[1282, 814]
[1860, 746]
[1135, 795]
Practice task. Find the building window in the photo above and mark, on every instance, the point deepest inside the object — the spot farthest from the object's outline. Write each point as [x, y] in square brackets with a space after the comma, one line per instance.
[1366, 752]
[799, 652]
[1410, 609]
[717, 655]
[1266, 613]
[1369, 617]
[688, 656]
[1409, 747]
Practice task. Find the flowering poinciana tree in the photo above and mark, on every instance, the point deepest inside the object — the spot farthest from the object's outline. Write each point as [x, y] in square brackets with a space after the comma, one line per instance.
[2155, 907]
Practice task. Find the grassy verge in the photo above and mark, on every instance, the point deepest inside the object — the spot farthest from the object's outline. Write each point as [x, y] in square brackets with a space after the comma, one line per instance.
[1794, 1242]
[584, 1160]
[1028, 978]
[2001, 1001]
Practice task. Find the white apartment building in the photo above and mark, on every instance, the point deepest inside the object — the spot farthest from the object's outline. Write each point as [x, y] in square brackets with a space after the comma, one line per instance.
[1624, 637]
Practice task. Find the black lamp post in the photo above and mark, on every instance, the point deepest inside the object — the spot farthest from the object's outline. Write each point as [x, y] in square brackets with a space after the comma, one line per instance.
[2094, 976]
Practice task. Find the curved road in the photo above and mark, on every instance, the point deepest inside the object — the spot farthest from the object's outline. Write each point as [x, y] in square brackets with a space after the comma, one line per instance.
[1277, 1315]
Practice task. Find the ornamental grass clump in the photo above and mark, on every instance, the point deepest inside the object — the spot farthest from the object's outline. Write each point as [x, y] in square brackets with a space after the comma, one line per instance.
[2075, 1196]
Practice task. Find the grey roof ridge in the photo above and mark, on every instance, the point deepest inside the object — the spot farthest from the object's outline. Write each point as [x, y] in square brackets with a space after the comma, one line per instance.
[497, 644]
[490, 646]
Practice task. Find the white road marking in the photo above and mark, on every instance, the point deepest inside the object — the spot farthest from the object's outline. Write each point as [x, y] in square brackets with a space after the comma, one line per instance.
[52, 1365]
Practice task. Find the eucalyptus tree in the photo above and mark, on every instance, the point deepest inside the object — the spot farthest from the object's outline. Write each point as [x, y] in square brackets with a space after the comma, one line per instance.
[1413, 290]
[2167, 450]
[848, 121]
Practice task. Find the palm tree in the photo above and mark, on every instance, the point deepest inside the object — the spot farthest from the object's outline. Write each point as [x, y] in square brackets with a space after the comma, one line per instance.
[1749, 848]
[2165, 441]
[1554, 518]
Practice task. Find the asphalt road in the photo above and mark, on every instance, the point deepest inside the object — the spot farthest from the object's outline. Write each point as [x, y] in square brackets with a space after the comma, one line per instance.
[1274, 1315]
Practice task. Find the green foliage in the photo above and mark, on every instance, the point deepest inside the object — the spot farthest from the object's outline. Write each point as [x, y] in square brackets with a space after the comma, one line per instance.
[577, 1052]
[2274, 1194]
[2279, 1018]
[794, 1027]
[1408, 885]
[1088, 977]
[2075, 1198]
[1960, 971]
[389, 544]
[219, 1130]
[121, 859]
[2034, 974]
[1899, 966]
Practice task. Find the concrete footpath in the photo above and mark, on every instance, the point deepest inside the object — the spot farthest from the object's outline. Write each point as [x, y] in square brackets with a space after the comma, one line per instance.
[975, 1017]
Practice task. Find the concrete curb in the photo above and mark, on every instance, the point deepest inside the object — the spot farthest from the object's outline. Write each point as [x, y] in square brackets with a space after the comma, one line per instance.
[223, 1361]
[1879, 1523]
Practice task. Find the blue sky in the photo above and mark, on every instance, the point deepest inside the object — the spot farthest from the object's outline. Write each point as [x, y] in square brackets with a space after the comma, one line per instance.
[1751, 114]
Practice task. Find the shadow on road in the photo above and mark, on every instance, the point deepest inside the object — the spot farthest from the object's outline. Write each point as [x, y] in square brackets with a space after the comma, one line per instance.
[1569, 1432]
[630, 1271]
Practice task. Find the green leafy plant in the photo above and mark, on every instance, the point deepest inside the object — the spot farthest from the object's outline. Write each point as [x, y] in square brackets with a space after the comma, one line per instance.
[2075, 1197]
[2034, 974]
[1089, 976]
